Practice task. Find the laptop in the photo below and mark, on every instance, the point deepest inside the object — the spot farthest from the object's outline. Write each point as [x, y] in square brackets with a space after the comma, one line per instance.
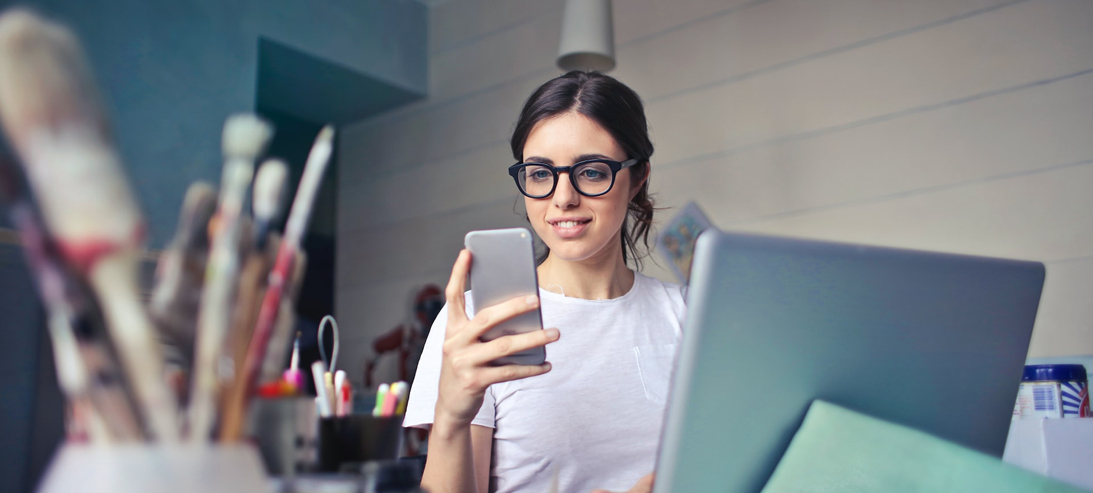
[928, 340]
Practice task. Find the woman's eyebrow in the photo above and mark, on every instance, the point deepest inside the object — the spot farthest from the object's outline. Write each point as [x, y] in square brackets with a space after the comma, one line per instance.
[538, 159]
[582, 157]
[589, 157]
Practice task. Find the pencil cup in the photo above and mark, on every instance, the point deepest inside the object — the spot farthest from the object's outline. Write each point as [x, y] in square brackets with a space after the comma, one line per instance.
[349, 441]
[140, 468]
[286, 433]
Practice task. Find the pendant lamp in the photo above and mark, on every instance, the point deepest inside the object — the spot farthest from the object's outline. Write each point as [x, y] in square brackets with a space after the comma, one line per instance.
[588, 36]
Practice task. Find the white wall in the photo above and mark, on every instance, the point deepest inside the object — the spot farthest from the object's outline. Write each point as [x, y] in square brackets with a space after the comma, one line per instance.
[955, 125]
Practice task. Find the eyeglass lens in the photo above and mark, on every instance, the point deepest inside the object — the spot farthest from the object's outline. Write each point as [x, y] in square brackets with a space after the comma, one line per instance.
[591, 179]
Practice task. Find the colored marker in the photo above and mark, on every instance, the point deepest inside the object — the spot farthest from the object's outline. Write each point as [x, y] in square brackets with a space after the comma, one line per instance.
[381, 395]
[339, 382]
[331, 395]
[391, 401]
[345, 396]
[403, 397]
[293, 375]
[318, 372]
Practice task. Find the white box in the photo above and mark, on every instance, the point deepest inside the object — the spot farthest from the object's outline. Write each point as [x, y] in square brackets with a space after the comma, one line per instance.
[1058, 448]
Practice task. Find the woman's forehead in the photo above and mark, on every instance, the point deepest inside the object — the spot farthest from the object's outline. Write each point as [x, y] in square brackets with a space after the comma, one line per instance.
[567, 137]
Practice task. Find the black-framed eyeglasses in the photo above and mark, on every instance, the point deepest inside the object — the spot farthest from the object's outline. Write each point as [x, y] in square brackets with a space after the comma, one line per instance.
[590, 178]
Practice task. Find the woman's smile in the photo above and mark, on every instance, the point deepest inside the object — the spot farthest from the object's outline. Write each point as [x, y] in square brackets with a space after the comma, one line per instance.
[569, 227]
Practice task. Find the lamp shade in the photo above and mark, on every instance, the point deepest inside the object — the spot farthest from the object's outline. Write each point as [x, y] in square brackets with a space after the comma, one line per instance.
[588, 36]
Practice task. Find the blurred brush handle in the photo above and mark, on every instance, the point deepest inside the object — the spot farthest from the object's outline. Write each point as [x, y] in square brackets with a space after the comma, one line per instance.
[114, 279]
[280, 339]
[83, 254]
[252, 285]
[105, 412]
[267, 315]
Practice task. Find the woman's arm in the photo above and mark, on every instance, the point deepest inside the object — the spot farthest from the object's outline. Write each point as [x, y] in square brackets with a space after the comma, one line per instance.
[459, 459]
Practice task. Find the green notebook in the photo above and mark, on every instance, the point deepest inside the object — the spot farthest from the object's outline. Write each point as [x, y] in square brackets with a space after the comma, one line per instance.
[840, 450]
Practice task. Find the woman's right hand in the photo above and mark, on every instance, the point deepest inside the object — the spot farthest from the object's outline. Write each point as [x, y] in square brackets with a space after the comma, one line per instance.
[465, 372]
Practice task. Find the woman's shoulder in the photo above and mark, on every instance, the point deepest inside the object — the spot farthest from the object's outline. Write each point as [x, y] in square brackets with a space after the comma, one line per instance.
[667, 298]
[670, 291]
[655, 283]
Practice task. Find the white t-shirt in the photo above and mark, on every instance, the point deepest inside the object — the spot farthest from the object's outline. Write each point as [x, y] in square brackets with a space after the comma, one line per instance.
[595, 418]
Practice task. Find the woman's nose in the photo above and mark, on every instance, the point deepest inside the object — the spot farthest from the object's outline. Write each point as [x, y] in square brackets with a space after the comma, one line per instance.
[565, 195]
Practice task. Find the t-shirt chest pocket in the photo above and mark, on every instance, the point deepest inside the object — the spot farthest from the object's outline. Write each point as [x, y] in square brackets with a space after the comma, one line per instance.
[655, 369]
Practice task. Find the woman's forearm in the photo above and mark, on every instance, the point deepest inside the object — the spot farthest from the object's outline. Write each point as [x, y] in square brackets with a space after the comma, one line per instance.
[449, 467]
[459, 452]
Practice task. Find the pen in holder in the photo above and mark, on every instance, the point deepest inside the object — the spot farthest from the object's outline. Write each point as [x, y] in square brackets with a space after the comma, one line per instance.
[349, 441]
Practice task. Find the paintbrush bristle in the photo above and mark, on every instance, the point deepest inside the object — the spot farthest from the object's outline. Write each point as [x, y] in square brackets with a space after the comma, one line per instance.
[52, 113]
[197, 210]
[46, 80]
[246, 136]
[269, 187]
[326, 135]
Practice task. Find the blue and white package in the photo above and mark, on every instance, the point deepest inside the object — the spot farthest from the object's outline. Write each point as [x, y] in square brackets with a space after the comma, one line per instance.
[1053, 391]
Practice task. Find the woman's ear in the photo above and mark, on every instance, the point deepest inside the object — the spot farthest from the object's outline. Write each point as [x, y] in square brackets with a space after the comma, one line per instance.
[636, 185]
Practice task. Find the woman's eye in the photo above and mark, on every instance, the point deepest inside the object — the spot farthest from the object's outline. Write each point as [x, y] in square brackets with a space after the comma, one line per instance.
[592, 174]
[538, 175]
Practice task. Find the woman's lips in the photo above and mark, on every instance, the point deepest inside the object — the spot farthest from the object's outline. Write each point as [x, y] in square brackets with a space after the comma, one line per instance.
[567, 229]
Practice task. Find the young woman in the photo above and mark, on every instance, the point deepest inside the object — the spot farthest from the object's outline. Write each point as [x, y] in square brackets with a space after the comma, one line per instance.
[591, 417]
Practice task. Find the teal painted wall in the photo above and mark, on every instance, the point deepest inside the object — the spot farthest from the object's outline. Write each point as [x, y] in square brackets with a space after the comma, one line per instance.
[171, 71]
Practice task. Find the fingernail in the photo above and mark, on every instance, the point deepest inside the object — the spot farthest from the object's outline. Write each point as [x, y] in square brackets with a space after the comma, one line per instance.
[546, 366]
[553, 333]
[532, 300]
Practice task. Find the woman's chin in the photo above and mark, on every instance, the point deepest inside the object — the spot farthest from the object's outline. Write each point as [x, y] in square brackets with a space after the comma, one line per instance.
[574, 251]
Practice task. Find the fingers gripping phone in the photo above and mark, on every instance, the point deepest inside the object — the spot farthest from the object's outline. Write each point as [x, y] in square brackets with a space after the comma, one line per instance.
[502, 268]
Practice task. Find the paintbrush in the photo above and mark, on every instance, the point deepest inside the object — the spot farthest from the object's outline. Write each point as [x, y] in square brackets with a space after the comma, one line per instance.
[180, 273]
[269, 191]
[269, 186]
[245, 137]
[51, 112]
[299, 215]
[113, 402]
[65, 307]
[237, 395]
[280, 339]
[53, 287]
[252, 286]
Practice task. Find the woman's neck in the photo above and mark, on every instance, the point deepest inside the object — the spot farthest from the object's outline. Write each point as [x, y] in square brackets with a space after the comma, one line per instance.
[601, 277]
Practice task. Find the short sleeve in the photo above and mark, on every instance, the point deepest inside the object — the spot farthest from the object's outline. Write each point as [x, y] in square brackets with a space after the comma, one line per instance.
[676, 300]
[421, 408]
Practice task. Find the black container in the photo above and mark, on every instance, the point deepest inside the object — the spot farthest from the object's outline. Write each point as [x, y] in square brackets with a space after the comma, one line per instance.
[346, 442]
[285, 431]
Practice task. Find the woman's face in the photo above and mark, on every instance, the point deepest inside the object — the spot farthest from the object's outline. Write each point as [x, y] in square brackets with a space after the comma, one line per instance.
[574, 226]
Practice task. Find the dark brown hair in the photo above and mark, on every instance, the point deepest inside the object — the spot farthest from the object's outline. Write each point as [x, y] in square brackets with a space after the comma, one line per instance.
[616, 108]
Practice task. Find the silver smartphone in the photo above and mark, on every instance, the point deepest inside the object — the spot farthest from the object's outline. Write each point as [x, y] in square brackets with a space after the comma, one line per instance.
[502, 268]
